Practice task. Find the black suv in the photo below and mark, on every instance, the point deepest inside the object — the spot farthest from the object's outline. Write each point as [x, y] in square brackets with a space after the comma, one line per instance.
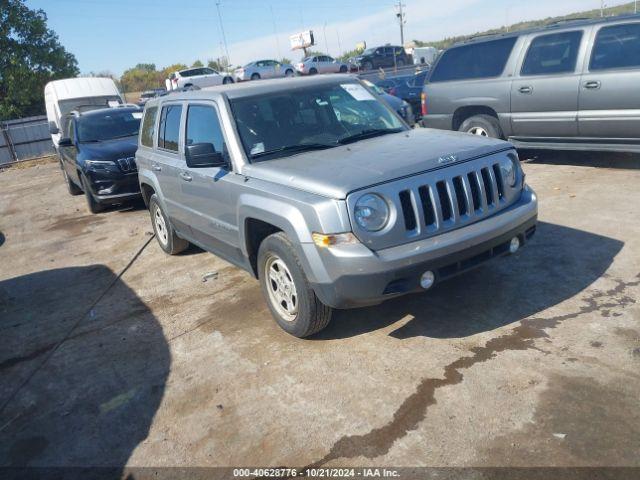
[97, 155]
[382, 57]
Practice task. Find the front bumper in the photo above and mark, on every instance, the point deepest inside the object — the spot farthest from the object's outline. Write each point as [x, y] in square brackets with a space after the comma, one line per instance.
[354, 276]
[110, 188]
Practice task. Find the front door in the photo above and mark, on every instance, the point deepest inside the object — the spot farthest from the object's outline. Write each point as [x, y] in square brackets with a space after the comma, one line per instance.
[609, 105]
[209, 195]
[544, 96]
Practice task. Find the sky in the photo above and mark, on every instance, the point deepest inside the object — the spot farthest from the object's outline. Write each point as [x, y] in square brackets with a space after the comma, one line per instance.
[113, 35]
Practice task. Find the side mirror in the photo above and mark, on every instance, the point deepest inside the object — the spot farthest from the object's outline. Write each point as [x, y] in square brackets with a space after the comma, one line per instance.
[53, 128]
[203, 155]
[65, 142]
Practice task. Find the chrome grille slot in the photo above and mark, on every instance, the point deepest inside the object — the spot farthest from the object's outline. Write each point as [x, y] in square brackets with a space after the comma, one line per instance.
[408, 211]
[445, 201]
[427, 206]
[461, 197]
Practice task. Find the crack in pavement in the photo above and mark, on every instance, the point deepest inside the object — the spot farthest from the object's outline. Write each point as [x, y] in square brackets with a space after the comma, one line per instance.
[413, 410]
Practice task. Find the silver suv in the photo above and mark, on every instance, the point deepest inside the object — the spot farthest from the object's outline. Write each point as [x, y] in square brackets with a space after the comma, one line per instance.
[572, 85]
[322, 192]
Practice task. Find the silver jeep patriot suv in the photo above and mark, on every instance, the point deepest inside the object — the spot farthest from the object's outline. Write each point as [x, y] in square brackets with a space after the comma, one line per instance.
[319, 190]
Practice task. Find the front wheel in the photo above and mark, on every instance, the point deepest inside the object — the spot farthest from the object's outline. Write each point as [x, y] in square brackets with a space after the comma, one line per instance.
[227, 80]
[313, 71]
[167, 238]
[482, 126]
[293, 303]
[255, 76]
[288, 73]
[343, 69]
[92, 203]
[72, 188]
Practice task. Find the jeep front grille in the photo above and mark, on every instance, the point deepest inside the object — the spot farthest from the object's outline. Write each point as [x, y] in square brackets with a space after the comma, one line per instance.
[452, 200]
[127, 164]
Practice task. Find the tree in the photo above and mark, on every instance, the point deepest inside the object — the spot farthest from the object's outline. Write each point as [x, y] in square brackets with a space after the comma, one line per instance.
[166, 71]
[30, 56]
[197, 64]
[139, 79]
[285, 61]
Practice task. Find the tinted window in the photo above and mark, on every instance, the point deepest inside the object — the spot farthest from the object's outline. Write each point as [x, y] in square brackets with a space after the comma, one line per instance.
[203, 126]
[148, 126]
[480, 60]
[108, 125]
[71, 130]
[170, 127]
[616, 47]
[556, 53]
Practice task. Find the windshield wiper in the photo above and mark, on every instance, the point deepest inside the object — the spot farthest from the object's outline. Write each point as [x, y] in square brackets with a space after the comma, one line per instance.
[304, 147]
[370, 133]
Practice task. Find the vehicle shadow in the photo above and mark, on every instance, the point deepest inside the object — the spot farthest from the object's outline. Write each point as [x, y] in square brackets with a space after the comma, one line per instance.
[558, 263]
[90, 400]
[629, 161]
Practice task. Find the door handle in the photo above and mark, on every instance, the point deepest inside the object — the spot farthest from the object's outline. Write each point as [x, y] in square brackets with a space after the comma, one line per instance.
[185, 176]
[593, 85]
[156, 167]
[525, 89]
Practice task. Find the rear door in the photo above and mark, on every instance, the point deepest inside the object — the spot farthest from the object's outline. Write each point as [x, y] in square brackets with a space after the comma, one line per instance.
[609, 105]
[544, 95]
[209, 195]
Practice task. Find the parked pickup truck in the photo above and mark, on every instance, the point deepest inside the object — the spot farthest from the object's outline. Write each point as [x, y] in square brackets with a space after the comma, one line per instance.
[320, 190]
[572, 85]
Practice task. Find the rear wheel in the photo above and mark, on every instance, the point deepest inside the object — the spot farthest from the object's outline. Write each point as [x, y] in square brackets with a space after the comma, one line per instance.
[255, 76]
[343, 69]
[167, 238]
[367, 66]
[482, 125]
[288, 73]
[227, 80]
[313, 71]
[293, 303]
[92, 203]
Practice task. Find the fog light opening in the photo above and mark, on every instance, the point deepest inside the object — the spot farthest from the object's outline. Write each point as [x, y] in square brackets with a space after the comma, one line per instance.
[427, 279]
[514, 245]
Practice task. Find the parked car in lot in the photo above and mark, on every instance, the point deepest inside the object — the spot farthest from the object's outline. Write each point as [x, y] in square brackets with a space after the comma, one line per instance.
[199, 77]
[400, 106]
[387, 56]
[97, 155]
[316, 187]
[148, 94]
[321, 64]
[410, 90]
[571, 85]
[263, 69]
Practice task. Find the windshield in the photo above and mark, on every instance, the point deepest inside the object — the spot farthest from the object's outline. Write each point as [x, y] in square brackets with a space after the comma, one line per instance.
[369, 51]
[108, 125]
[289, 122]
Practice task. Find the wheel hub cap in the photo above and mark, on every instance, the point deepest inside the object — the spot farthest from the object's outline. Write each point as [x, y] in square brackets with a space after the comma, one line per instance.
[281, 287]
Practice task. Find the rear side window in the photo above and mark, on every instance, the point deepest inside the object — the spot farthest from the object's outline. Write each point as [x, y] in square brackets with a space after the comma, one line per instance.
[148, 126]
[170, 127]
[555, 53]
[617, 46]
[480, 60]
[203, 126]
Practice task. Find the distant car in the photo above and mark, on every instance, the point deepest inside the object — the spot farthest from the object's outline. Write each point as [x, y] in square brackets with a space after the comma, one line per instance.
[199, 77]
[97, 155]
[388, 84]
[321, 64]
[149, 94]
[263, 69]
[388, 56]
[410, 90]
[403, 108]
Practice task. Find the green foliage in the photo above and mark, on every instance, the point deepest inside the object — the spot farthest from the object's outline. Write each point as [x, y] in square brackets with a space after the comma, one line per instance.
[138, 79]
[351, 53]
[197, 64]
[285, 60]
[30, 56]
[166, 71]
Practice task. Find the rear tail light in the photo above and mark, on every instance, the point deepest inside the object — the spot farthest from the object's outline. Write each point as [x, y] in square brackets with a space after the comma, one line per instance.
[423, 103]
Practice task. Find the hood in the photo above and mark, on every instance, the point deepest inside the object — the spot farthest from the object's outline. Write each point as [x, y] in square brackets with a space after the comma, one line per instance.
[111, 149]
[335, 172]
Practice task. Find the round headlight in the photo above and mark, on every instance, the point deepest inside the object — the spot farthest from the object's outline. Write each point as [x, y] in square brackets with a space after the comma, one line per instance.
[510, 171]
[371, 212]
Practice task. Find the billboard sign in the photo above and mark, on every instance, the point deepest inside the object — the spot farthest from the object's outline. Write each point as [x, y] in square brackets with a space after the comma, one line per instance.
[302, 40]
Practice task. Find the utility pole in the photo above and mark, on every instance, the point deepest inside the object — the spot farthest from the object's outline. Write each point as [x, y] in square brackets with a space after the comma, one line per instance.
[401, 18]
[602, 8]
[635, 6]
[224, 38]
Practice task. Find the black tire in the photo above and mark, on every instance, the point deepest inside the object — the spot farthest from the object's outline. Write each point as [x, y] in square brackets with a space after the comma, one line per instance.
[93, 205]
[400, 63]
[313, 71]
[227, 80]
[255, 76]
[312, 315]
[482, 125]
[367, 66]
[168, 240]
[288, 73]
[343, 69]
[72, 188]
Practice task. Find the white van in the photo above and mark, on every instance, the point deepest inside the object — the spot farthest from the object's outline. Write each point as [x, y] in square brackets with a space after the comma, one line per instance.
[64, 96]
